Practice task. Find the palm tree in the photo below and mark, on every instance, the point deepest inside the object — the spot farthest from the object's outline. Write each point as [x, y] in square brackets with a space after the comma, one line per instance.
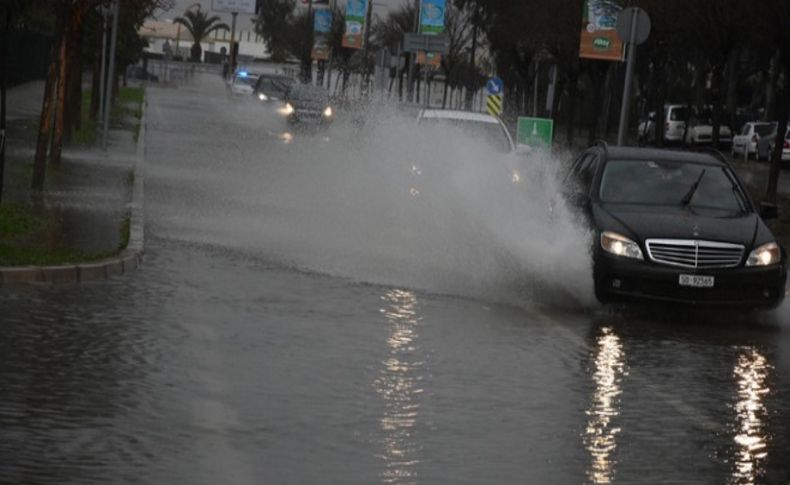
[200, 26]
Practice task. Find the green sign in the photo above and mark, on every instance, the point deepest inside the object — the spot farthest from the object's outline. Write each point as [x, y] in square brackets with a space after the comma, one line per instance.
[535, 132]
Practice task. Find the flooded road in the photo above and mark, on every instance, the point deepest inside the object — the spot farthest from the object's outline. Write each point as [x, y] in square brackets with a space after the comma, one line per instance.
[304, 323]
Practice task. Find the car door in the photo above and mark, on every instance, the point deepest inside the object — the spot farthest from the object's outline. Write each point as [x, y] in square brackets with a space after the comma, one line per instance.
[739, 141]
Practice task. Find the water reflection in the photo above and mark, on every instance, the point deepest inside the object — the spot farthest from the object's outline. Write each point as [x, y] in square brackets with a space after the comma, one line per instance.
[399, 386]
[750, 372]
[600, 437]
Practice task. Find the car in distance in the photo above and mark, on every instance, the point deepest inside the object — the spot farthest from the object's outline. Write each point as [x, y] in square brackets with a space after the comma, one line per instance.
[785, 147]
[307, 104]
[753, 140]
[675, 117]
[700, 130]
[675, 226]
[243, 82]
[477, 126]
[272, 87]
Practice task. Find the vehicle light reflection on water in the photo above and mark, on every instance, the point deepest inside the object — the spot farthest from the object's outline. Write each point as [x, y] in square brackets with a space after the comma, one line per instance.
[399, 385]
[600, 437]
[751, 373]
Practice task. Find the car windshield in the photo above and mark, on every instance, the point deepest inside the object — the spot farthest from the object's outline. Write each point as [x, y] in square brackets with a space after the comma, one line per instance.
[669, 183]
[492, 134]
[305, 92]
[274, 84]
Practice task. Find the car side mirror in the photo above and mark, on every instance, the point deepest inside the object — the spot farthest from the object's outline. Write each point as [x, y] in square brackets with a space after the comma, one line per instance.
[769, 211]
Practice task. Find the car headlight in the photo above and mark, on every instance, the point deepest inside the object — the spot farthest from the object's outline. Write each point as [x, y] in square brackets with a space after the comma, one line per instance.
[328, 112]
[262, 97]
[765, 255]
[614, 243]
[287, 110]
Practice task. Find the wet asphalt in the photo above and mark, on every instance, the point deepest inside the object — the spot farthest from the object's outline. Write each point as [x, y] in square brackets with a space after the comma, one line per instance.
[249, 349]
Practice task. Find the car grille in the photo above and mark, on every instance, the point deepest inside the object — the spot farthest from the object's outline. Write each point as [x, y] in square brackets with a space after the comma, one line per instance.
[691, 253]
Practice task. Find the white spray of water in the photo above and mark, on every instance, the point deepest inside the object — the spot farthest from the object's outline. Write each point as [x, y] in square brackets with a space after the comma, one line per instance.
[397, 203]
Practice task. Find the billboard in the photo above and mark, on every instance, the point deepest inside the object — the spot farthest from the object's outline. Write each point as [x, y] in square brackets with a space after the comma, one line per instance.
[234, 6]
[599, 39]
[432, 16]
[356, 10]
[322, 26]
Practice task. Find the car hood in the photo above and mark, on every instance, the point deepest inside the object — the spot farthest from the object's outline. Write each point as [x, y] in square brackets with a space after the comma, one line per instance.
[646, 222]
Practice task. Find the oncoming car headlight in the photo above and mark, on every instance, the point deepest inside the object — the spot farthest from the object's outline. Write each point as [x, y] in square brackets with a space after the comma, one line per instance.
[262, 97]
[765, 255]
[614, 243]
[287, 110]
[328, 112]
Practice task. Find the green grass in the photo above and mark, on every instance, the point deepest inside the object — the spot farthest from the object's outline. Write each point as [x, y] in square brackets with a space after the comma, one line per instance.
[29, 237]
[89, 132]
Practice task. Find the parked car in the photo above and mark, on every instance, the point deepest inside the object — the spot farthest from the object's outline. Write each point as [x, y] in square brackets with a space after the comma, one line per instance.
[754, 139]
[785, 149]
[307, 104]
[272, 87]
[675, 117]
[675, 226]
[243, 82]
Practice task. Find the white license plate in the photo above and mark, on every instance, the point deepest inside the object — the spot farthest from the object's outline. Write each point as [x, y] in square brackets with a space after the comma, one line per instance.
[696, 281]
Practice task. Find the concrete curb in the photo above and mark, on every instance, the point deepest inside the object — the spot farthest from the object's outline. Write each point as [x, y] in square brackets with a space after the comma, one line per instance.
[128, 260]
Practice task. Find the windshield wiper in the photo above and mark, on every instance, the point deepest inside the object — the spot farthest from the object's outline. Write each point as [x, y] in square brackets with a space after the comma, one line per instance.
[687, 198]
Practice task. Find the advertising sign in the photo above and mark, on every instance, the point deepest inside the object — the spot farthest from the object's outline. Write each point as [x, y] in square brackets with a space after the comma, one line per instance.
[535, 132]
[234, 6]
[432, 16]
[322, 25]
[599, 39]
[355, 23]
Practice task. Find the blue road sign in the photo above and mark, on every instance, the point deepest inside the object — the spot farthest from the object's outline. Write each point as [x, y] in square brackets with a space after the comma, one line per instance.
[494, 86]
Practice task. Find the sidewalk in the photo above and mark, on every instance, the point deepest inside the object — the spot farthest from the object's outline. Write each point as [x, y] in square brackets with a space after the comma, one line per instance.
[91, 194]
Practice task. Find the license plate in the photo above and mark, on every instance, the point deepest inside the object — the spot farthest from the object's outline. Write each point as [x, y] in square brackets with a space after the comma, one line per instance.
[696, 281]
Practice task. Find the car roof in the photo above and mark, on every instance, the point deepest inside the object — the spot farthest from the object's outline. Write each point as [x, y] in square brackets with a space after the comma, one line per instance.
[454, 114]
[636, 153]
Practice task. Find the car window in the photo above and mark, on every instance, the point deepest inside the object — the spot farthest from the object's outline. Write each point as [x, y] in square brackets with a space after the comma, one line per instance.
[667, 183]
[492, 134]
[678, 114]
[271, 85]
[763, 130]
[746, 129]
[245, 80]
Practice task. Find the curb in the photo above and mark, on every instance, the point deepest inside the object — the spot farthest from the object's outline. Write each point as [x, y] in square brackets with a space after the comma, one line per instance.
[127, 261]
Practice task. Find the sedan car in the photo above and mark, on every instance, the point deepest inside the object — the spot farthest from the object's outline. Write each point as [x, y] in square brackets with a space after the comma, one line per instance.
[477, 126]
[675, 226]
[243, 82]
[307, 104]
[272, 87]
[753, 140]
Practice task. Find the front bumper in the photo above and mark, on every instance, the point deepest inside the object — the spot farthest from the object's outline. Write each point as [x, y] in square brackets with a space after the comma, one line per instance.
[620, 279]
[310, 117]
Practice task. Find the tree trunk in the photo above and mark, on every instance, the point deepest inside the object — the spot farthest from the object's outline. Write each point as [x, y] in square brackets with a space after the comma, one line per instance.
[718, 82]
[45, 121]
[66, 53]
[732, 88]
[3, 66]
[472, 54]
[74, 89]
[571, 117]
[770, 89]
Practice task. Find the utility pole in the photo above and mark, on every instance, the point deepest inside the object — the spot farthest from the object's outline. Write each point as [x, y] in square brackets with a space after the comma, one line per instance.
[413, 55]
[110, 73]
[103, 72]
[4, 67]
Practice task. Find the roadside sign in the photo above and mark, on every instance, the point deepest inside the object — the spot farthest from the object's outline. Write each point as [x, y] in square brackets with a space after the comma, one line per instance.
[494, 104]
[641, 24]
[432, 16]
[495, 86]
[234, 6]
[535, 132]
[354, 36]
[599, 38]
[431, 59]
[413, 42]
[322, 25]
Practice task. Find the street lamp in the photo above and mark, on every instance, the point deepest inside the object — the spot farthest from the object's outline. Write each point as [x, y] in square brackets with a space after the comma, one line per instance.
[178, 28]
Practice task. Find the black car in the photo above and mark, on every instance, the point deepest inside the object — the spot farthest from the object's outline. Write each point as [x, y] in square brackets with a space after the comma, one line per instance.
[272, 87]
[305, 103]
[675, 226]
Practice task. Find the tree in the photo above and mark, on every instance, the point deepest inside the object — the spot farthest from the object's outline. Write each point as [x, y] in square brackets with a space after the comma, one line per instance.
[273, 22]
[199, 25]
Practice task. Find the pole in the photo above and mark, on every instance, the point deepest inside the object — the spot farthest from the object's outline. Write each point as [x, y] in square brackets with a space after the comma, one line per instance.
[233, 43]
[413, 55]
[110, 73]
[535, 91]
[103, 71]
[3, 67]
[629, 80]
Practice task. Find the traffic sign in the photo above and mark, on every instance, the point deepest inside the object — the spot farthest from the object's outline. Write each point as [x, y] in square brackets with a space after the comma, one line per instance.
[413, 42]
[234, 6]
[494, 104]
[641, 24]
[535, 132]
[495, 86]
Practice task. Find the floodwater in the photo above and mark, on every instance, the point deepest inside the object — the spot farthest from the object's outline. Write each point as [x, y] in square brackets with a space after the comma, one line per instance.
[310, 310]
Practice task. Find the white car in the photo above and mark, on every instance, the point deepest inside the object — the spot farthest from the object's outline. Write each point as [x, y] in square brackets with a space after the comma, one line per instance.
[785, 149]
[701, 133]
[754, 139]
[243, 82]
[487, 128]
[675, 119]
